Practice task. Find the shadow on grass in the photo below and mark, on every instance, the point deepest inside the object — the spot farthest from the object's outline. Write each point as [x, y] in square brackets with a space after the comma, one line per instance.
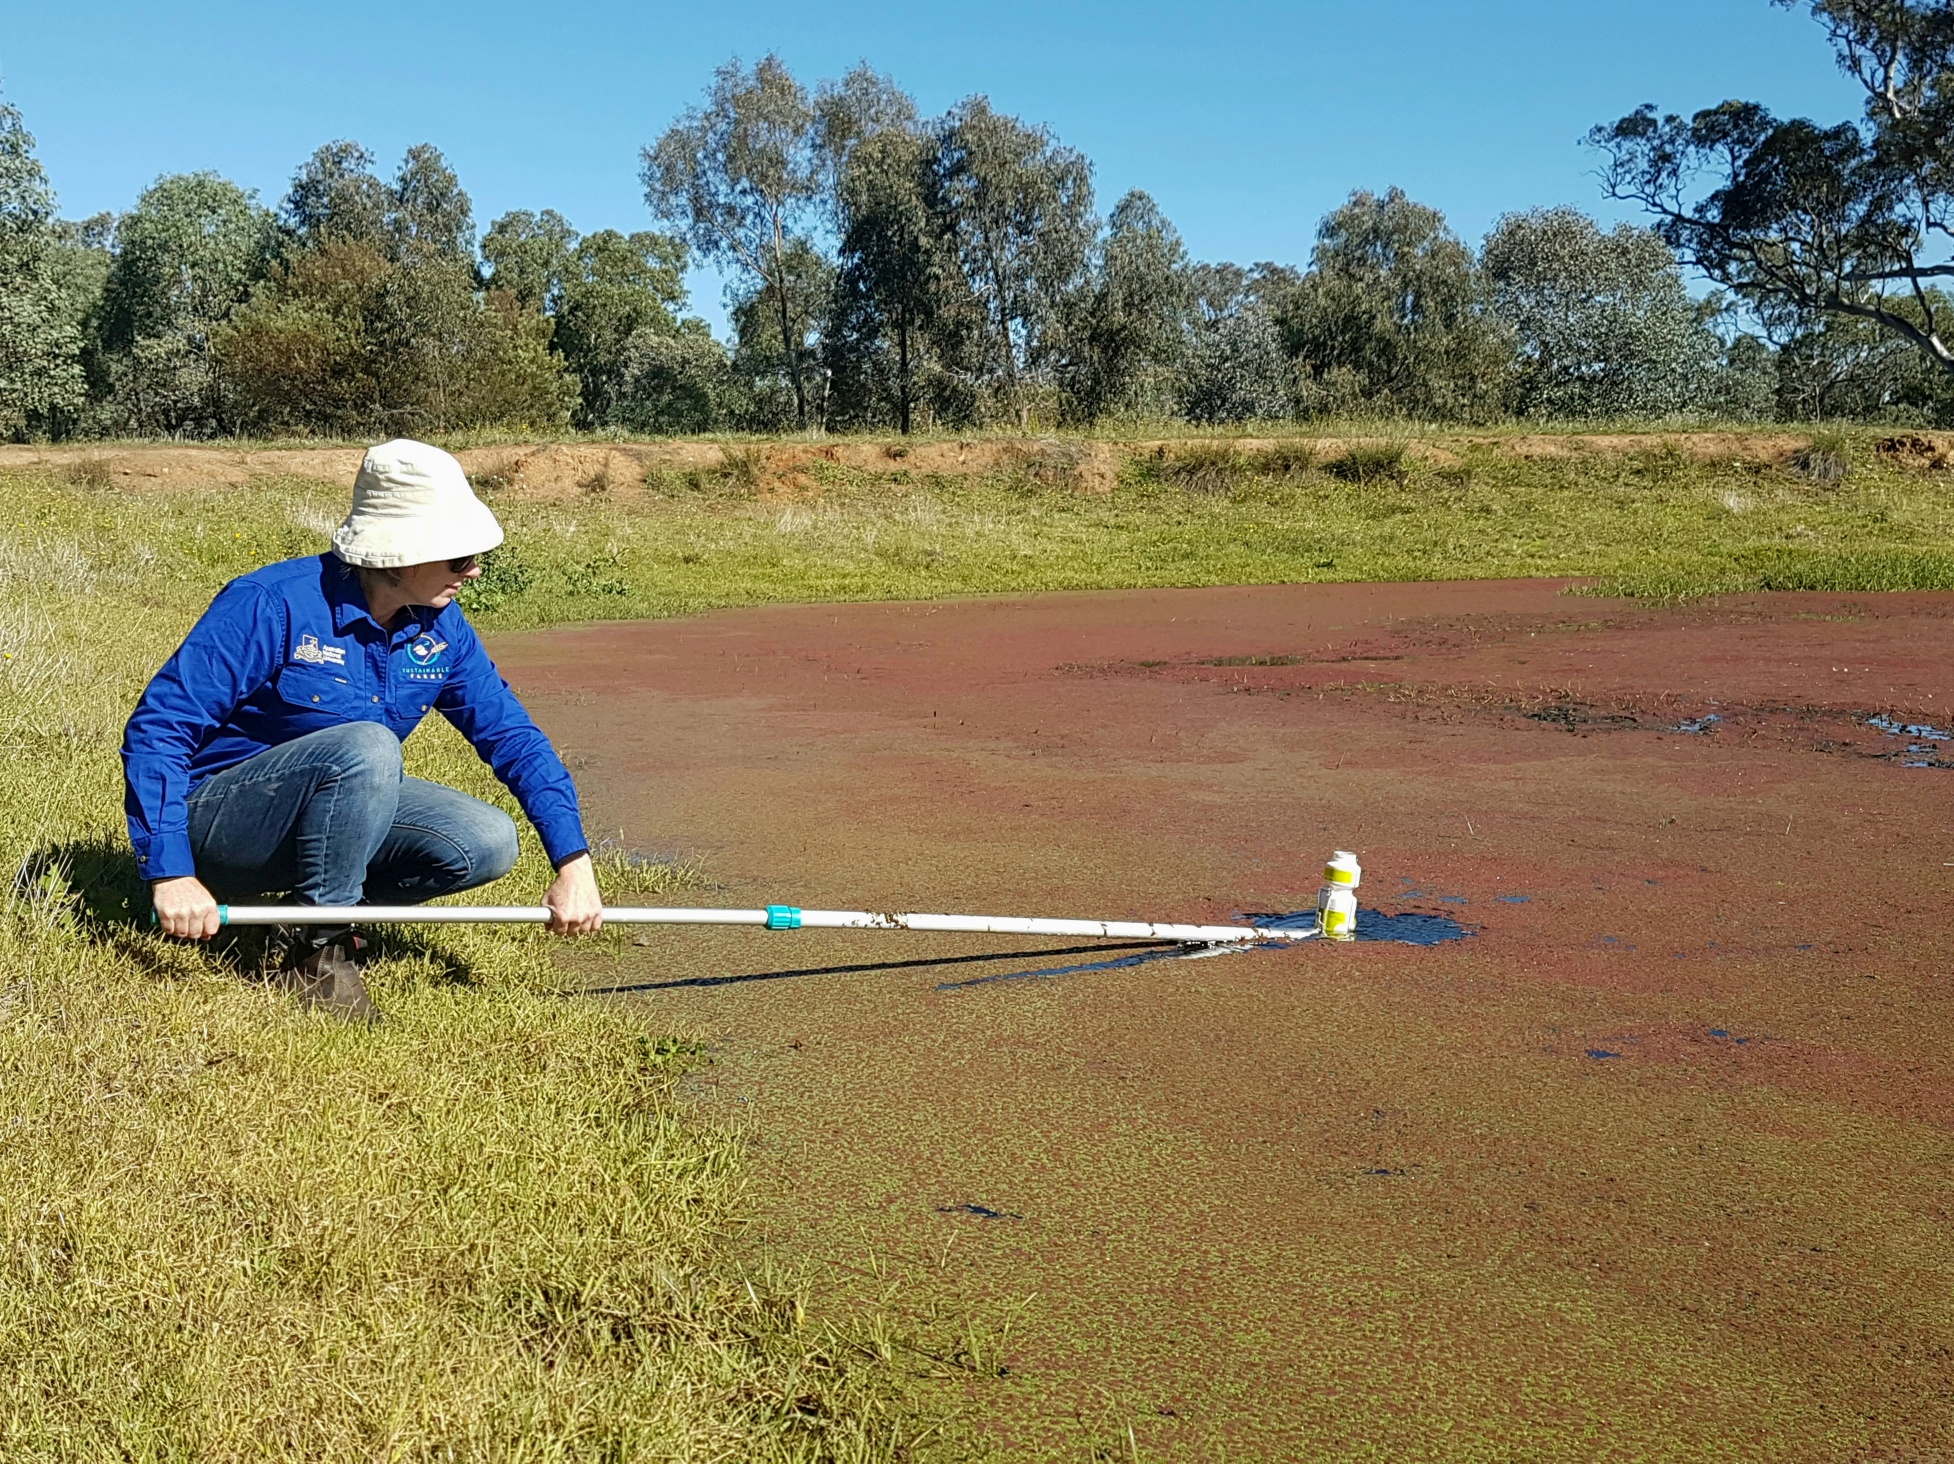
[95, 884]
[919, 963]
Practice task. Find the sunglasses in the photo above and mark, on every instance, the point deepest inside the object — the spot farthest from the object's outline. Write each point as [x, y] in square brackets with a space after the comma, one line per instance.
[463, 564]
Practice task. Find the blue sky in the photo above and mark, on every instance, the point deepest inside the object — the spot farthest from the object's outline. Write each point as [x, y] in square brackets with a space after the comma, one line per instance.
[1247, 121]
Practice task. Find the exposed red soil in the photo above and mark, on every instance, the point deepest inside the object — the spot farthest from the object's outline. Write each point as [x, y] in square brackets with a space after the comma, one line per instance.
[1656, 1165]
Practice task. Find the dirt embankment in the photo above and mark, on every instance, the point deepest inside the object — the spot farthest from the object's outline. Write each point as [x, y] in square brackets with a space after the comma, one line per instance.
[550, 471]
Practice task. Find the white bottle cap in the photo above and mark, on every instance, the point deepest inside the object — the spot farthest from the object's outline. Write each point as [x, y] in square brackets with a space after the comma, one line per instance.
[1343, 870]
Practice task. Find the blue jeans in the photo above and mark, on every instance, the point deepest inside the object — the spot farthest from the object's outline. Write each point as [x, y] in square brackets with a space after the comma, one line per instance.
[332, 818]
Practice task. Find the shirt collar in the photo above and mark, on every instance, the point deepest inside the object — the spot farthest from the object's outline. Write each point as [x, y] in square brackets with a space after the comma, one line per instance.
[348, 601]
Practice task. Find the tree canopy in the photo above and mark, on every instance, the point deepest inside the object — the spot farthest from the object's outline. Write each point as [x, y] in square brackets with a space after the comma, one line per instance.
[1807, 220]
[1604, 324]
[186, 256]
[887, 269]
[741, 179]
[1393, 316]
[41, 382]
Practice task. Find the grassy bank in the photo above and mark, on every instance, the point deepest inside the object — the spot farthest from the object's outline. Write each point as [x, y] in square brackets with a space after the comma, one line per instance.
[232, 1231]
[1652, 522]
[228, 1230]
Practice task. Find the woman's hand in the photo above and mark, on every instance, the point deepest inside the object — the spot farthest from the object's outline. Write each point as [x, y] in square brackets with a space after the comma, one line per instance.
[575, 906]
[184, 908]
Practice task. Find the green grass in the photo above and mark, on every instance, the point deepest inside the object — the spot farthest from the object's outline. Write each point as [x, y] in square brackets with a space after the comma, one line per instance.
[229, 1230]
[1652, 523]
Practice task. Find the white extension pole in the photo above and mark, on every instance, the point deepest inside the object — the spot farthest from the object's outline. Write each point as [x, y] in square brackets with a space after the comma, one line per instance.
[773, 917]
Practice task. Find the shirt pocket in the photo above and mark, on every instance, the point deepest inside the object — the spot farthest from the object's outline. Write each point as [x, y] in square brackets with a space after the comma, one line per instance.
[318, 689]
[411, 702]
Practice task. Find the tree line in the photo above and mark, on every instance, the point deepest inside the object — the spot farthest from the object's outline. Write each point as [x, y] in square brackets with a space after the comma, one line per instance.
[894, 271]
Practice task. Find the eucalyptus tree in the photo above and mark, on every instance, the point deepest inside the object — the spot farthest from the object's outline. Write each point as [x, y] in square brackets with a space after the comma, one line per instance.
[186, 256]
[899, 286]
[530, 255]
[336, 194]
[1847, 367]
[1127, 327]
[1805, 220]
[1604, 323]
[372, 320]
[599, 292]
[1234, 367]
[682, 382]
[41, 383]
[769, 325]
[741, 178]
[864, 105]
[1020, 207]
[429, 215]
[1392, 316]
[619, 287]
[422, 215]
[1745, 388]
[84, 251]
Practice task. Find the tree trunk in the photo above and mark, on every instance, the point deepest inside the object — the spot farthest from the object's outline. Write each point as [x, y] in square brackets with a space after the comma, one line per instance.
[1011, 388]
[902, 368]
[788, 343]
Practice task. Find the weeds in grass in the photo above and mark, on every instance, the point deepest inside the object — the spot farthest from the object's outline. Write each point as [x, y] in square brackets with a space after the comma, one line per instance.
[1288, 459]
[1661, 524]
[740, 471]
[1224, 467]
[1664, 462]
[1371, 462]
[599, 576]
[623, 870]
[743, 467]
[493, 478]
[1049, 462]
[1825, 459]
[90, 472]
[507, 574]
[1207, 467]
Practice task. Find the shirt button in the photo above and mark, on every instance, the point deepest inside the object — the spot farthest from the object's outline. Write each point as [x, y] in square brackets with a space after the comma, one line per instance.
[315, 698]
[376, 698]
[423, 706]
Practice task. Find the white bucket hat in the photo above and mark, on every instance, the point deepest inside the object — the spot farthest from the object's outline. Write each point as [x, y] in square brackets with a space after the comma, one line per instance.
[412, 505]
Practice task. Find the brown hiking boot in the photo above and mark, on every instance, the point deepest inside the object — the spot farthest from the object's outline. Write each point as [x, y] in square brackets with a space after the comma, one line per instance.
[327, 979]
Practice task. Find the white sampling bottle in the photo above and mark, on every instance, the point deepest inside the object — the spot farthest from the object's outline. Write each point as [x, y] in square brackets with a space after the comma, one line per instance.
[1336, 901]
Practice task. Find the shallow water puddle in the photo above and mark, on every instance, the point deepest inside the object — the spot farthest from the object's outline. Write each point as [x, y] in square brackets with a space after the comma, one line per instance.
[1920, 751]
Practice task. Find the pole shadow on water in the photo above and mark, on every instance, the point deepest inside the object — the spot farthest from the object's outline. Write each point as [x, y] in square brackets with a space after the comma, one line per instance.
[1411, 927]
[925, 961]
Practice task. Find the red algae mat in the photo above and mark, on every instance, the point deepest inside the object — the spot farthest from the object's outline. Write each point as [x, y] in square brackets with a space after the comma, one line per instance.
[1654, 1164]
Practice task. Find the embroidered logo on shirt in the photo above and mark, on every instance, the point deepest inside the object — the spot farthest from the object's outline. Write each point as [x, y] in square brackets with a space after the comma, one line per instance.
[309, 650]
[424, 659]
[426, 649]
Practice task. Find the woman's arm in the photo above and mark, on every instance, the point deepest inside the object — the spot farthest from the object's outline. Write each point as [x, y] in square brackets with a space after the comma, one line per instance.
[230, 652]
[482, 708]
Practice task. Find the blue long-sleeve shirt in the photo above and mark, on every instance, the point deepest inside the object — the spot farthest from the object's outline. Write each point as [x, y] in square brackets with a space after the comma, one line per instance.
[291, 649]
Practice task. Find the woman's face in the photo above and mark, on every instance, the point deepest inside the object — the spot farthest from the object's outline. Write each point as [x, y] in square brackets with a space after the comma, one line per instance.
[436, 583]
